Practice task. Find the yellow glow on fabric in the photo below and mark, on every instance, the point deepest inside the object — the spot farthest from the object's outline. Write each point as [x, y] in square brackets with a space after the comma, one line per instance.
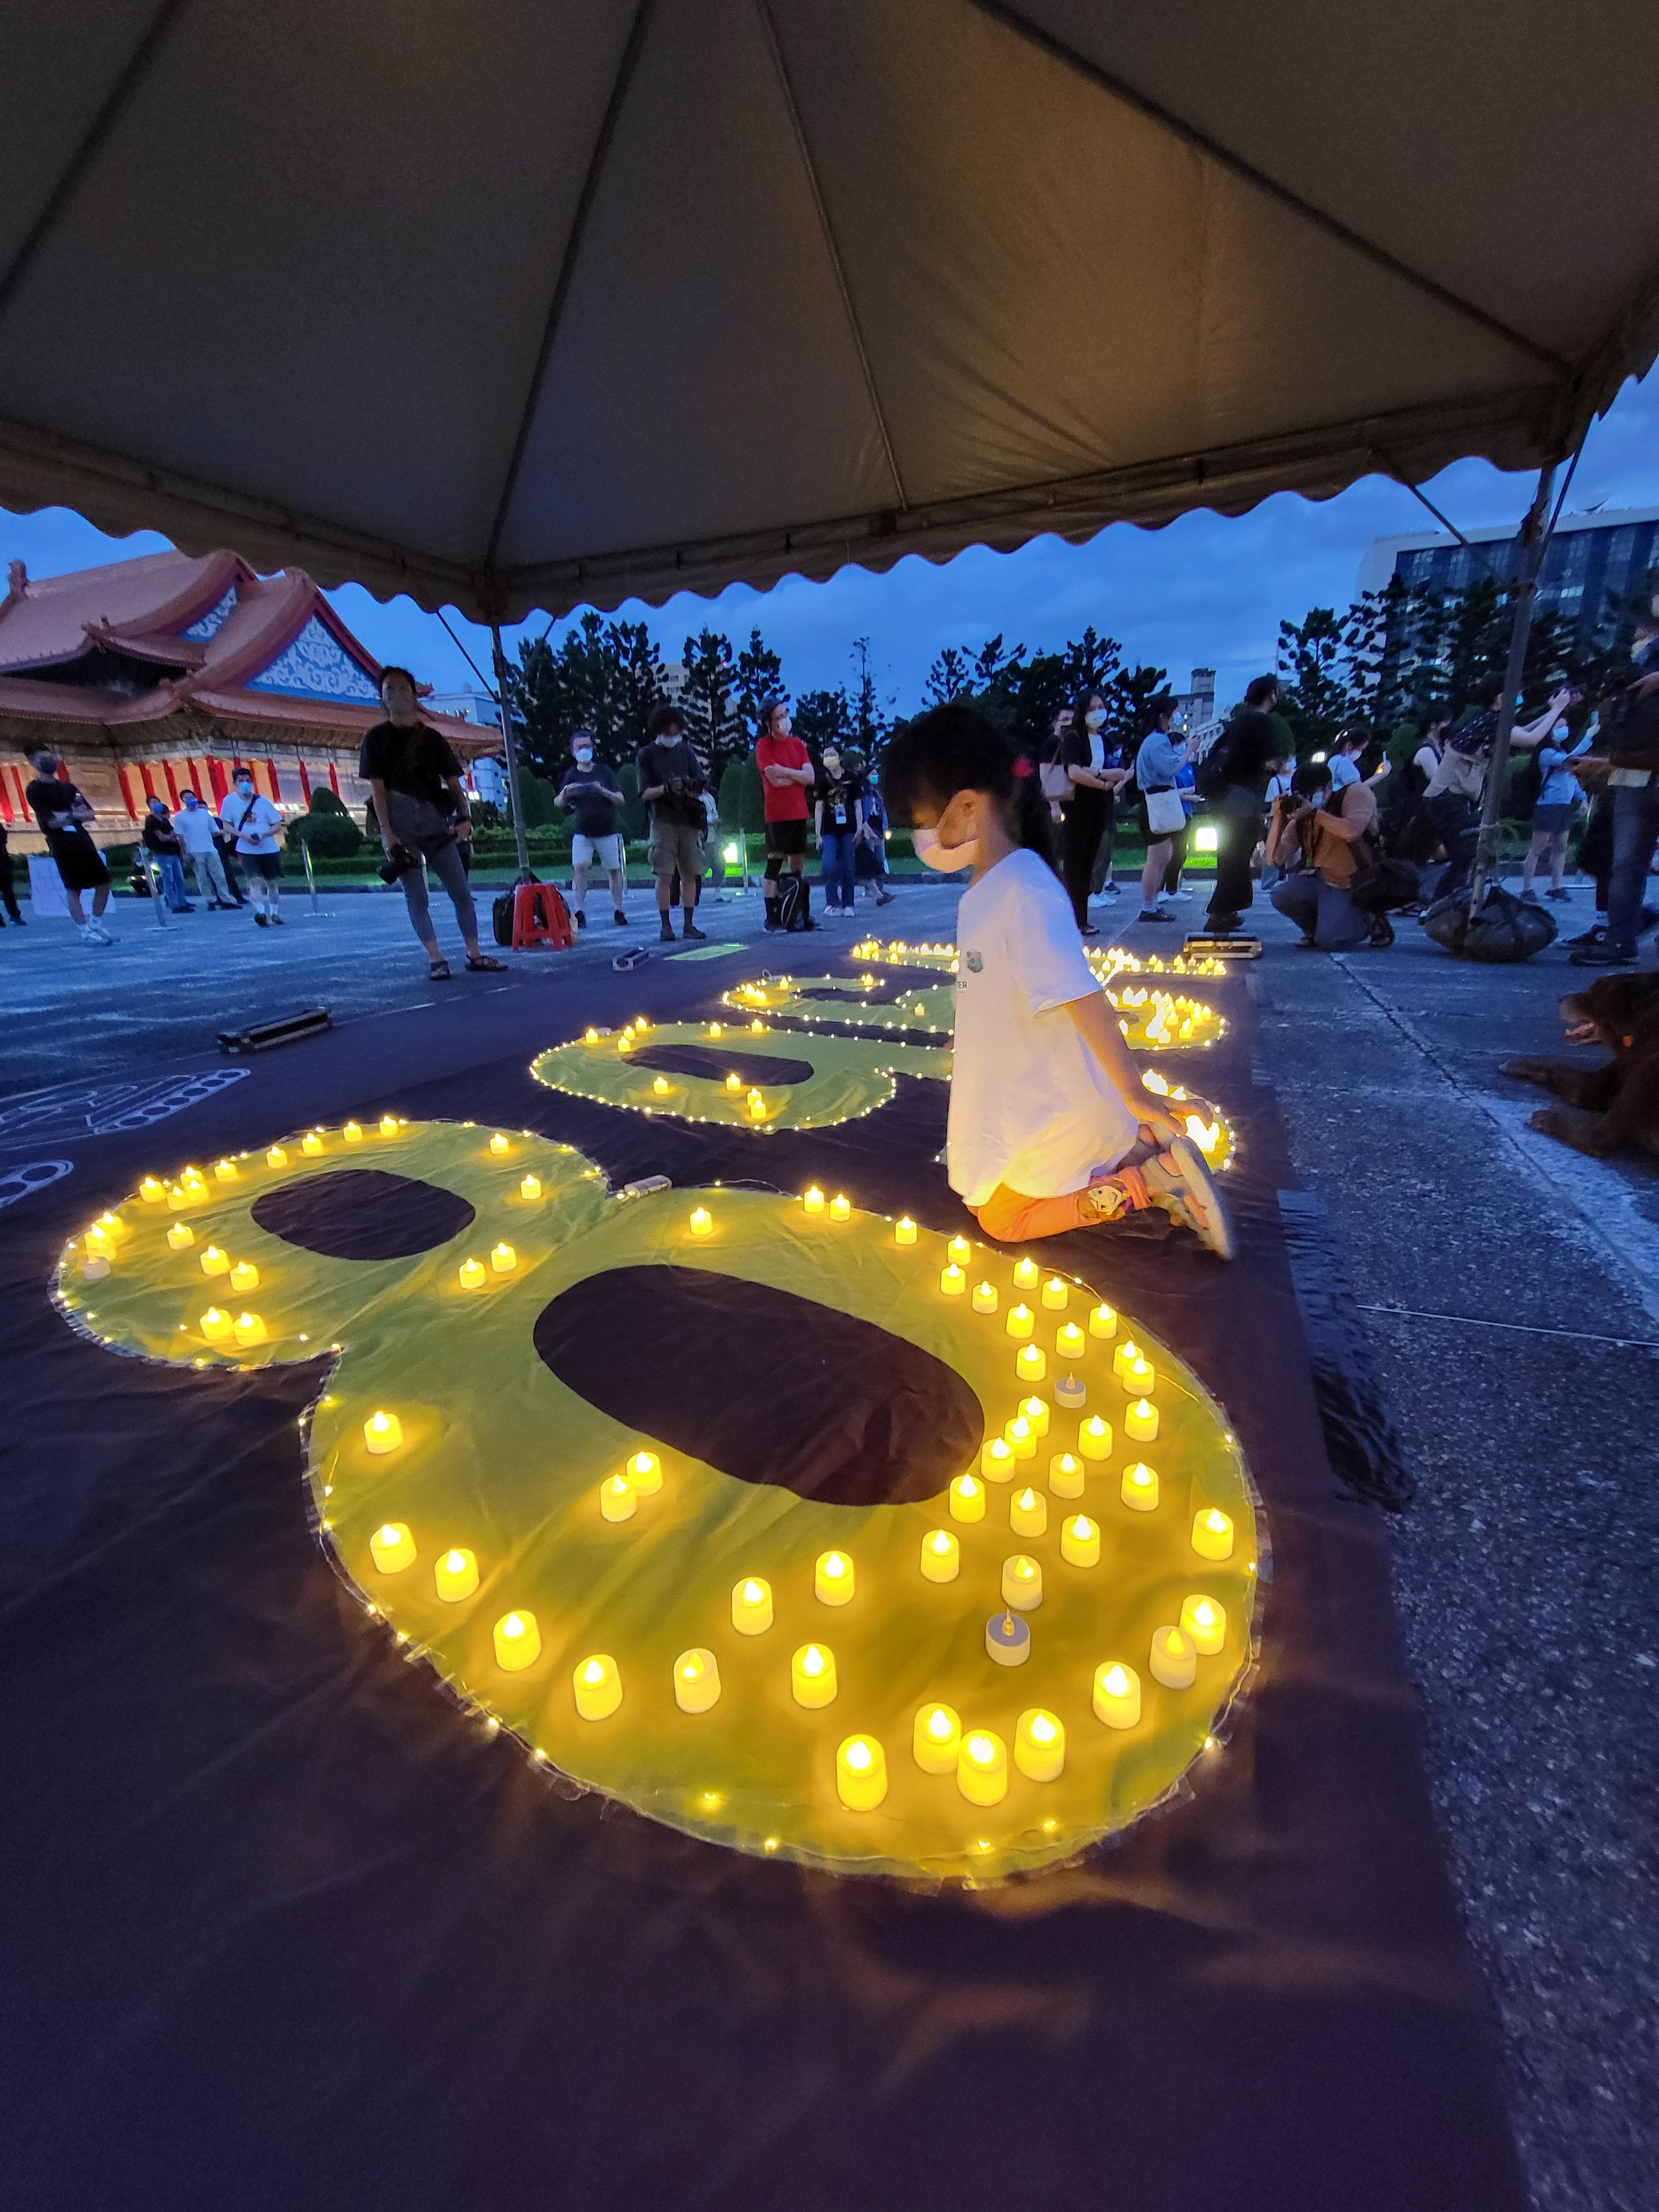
[501, 1469]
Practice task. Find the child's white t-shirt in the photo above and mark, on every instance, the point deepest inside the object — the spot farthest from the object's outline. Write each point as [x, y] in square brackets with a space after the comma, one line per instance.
[250, 822]
[1030, 1105]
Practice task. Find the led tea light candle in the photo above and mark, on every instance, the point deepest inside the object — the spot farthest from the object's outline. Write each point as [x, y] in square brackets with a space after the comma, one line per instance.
[225, 1170]
[590, 1036]
[391, 1547]
[1040, 1745]
[644, 1471]
[941, 1556]
[936, 1743]
[1140, 1377]
[1204, 1623]
[1174, 1661]
[702, 1221]
[499, 1146]
[697, 1681]
[470, 1275]
[151, 1191]
[1117, 1694]
[1069, 1340]
[456, 1574]
[1102, 1321]
[1125, 1357]
[735, 1083]
[249, 1329]
[1022, 1582]
[1141, 1422]
[1022, 1442]
[661, 1086]
[383, 1432]
[812, 1676]
[752, 1605]
[1071, 1394]
[353, 1132]
[94, 1266]
[178, 1198]
[904, 1230]
[518, 1642]
[1056, 1293]
[1031, 1363]
[985, 1298]
[244, 1276]
[1028, 1513]
[958, 1249]
[1019, 1324]
[1025, 1274]
[1036, 1411]
[833, 1578]
[861, 1773]
[967, 1500]
[216, 1326]
[813, 1200]
[1080, 1541]
[996, 1459]
[1067, 1475]
[952, 1281]
[388, 1124]
[311, 1143]
[617, 1499]
[277, 1158]
[530, 1188]
[181, 1236]
[1094, 1437]
[598, 1686]
[1212, 1535]
[983, 1768]
[841, 1208]
[1140, 1487]
[215, 1262]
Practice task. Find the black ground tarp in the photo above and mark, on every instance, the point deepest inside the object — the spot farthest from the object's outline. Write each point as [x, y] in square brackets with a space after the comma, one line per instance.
[284, 1927]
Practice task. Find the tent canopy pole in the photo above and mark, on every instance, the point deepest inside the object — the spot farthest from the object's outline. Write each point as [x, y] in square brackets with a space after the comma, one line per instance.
[1535, 539]
[504, 695]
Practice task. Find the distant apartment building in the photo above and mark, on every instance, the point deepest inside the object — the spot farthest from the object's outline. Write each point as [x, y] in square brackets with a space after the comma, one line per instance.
[466, 705]
[1196, 707]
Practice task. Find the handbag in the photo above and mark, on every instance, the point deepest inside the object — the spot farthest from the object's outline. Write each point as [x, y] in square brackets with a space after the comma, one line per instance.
[1054, 780]
[1165, 812]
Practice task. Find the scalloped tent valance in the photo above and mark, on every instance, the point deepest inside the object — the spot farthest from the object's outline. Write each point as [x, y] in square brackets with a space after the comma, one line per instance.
[518, 308]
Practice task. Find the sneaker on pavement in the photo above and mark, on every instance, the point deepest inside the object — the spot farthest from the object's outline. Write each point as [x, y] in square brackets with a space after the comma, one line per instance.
[1111, 890]
[1557, 891]
[1153, 914]
[581, 919]
[1223, 925]
[1596, 935]
[691, 929]
[1180, 898]
[666, 933]
[620, 919]
[260, 918]
[883, 898]
[1606, 954]
[1178, 1181]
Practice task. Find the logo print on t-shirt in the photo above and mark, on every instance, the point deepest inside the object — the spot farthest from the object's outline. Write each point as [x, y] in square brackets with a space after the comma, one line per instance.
[973, 963]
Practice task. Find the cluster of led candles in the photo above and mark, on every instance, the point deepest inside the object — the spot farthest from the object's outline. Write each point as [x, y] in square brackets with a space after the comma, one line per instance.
[978, 1757]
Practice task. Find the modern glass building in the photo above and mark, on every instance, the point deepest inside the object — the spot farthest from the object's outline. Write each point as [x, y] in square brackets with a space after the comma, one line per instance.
[1594, 562]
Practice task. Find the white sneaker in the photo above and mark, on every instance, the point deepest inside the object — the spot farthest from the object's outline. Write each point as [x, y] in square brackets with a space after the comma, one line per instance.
[90, 933]
[1182, 898]
[1178, 1181]
[1110, 890]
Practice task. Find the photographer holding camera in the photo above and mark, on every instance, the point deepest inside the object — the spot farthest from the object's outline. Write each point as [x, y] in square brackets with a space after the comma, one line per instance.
[420, 809]
[670, 784]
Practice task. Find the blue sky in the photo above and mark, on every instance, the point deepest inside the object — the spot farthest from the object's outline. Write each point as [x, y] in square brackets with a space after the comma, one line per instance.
[1210, 590]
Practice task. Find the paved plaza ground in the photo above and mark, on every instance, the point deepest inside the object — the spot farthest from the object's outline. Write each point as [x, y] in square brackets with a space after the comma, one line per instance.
[1507, 1297]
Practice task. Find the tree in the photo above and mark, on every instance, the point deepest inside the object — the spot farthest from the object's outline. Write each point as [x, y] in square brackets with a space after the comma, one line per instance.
[604, 676]
[1089, 663]
[949, 677]
[871, 714]
[1129, 693]
[760, 676]
[824, 718]
[1314, 695]
[708, 701]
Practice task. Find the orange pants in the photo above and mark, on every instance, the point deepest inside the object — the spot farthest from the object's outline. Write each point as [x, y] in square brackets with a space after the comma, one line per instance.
[1012, 1219]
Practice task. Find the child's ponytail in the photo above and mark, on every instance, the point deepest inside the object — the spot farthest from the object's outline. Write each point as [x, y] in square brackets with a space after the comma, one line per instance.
[953, 749]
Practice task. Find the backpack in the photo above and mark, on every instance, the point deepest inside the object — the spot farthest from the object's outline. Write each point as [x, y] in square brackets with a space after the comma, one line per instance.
[1526, 788]
[1475, 734]
[791, 902]
[1213, 774]
[1629, 729]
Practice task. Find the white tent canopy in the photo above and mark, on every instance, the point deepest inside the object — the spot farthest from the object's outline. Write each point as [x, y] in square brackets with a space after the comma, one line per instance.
[510, 306]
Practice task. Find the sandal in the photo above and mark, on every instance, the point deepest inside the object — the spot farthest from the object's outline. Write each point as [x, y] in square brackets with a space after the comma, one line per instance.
[485, 961]
[439, 971]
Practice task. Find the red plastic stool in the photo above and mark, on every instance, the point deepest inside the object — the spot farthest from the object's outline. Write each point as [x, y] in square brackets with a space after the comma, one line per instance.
[540, 917]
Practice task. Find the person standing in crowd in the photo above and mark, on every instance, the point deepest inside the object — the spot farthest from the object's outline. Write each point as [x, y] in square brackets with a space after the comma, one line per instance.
[8, 889]
[63, 814]
[592, 788]
[1314, 840]
[252, 822]
[1456, 788]
[422, 817]
[1629, 741]
[1552, 813]
[870, 861]
[194, 824]
[1093, 793]
[1186, 781]
[1157, 768]
[838, 820]
[786, 776]
[671, 784]
[1278, 786]
[1050, 1127]
[1345, 762]
[1233, 777]
[1102, 882]
[163, 842]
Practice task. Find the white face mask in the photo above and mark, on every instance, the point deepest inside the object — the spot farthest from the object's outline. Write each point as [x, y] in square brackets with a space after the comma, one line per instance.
[947, 859]
[1093, 718]
[584, 756]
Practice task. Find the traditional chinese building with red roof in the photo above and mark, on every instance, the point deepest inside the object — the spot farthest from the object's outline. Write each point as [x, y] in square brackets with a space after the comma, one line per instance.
[165, 673]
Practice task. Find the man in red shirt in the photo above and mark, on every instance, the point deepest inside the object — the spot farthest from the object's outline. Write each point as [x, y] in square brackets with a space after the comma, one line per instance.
[786, 776]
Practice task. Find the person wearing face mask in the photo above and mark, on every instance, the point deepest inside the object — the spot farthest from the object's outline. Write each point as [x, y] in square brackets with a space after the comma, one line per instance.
[839, 821]
[1085, 814]
[787, 777]
[252, 822]
[64, 814]
[1320, 839]
[162, 841]
[194, 825]
[1050, 1127]
[592, 789]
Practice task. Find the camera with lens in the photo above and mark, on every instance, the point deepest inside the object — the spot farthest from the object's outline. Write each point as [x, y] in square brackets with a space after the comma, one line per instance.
[398, 863]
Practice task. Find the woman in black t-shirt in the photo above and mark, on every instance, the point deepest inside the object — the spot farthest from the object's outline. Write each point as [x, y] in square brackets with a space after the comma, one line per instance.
[420, 809]
[62, 814]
